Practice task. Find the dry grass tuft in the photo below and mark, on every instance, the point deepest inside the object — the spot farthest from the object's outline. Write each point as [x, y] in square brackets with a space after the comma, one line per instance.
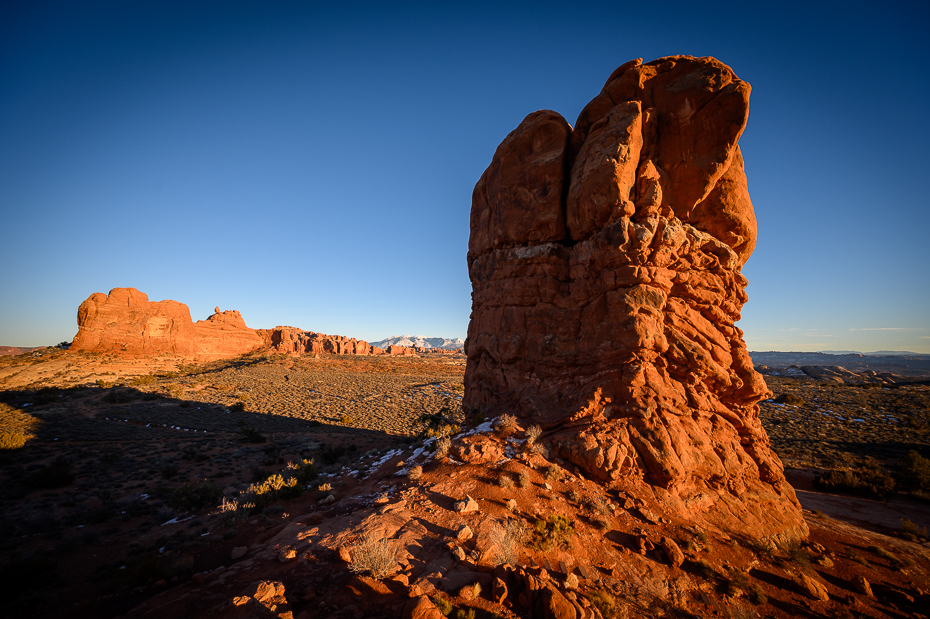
[374, 555]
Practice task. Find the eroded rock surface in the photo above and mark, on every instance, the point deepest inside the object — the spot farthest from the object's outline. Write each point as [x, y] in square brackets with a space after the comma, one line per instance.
[605, 263]
[126, 322]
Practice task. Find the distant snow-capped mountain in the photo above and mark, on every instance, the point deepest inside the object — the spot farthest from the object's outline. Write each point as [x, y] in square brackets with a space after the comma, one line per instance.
[420, 341]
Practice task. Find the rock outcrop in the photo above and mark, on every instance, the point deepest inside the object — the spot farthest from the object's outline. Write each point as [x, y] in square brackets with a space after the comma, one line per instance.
[293, 340]
[126, 322]
[605, 263]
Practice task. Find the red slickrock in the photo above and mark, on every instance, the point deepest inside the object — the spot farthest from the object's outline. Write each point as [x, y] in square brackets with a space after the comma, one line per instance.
[605, 263]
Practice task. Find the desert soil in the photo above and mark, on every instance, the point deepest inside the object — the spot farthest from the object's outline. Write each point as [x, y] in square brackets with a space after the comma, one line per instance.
[132, 432]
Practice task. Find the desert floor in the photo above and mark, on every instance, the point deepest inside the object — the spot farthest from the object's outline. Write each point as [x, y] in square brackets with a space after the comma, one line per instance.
[86, 515]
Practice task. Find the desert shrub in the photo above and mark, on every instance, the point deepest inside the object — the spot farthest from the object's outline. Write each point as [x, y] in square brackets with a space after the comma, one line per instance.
[913, 532]
[554, 531]
[506, 425]
[346, 420]
[168, 471]
[511, 504]
[12, 440]
[233, 511]
[104, 384]
[507, 540]
[603, 602]
[704, 568]
[147, 379]
[275, 488]
[533, 433]
[194, 496]
[46, 395]
[376, 555]
[599, 505]
[442, 447]
[867, 478]
[554, 473]
[913, 472]
[248, 434]
[415, 472]
[117, 396]
[739, 581]
[305, 472]
[465, 613]
[443, 604]
[523, 479]
[505, 481]
[790, 399]
[16, 427]
[896, 562]
[55, 475]
[537, 448]
[331, 454]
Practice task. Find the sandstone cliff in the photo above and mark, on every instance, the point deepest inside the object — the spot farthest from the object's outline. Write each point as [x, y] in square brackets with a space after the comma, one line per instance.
[605, 263]
[126, 322]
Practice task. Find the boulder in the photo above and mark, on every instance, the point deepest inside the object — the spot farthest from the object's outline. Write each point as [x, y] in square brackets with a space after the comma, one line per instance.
[606, 277]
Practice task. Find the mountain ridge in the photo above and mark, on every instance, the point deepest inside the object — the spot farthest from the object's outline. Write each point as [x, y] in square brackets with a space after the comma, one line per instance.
[420, 341]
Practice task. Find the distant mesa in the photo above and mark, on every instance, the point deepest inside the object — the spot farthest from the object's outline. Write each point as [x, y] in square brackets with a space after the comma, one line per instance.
[125, 322]
[605, 263]
[6, 351]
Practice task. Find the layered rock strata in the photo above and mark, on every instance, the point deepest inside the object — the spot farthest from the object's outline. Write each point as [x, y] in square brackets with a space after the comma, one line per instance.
[605, 262]
[293, 340]
[126, 322]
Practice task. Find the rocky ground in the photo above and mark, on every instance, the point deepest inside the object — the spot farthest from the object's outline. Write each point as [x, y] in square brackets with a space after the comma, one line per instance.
[95, 522]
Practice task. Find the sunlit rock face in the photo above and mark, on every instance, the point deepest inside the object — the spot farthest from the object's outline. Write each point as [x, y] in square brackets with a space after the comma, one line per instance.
[605, 264]
[126, 322]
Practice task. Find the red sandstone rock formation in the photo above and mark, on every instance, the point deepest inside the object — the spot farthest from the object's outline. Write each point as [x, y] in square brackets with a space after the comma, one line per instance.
[393, 349]
[605, 262]
[293, 340]
[126, 322]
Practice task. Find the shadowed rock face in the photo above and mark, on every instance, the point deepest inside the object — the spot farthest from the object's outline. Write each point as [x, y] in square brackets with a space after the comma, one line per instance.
[605, 264]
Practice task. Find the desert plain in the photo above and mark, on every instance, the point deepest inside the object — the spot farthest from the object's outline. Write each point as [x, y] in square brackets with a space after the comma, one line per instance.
[124, 435]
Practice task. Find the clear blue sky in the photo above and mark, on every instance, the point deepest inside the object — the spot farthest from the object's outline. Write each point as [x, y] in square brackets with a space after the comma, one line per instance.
[312, 164]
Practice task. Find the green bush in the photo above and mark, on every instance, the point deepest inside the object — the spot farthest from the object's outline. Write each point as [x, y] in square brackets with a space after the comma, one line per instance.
[147, 379]
[553, 531]
[913, 472]
[443, 604]
[275, 488]
[55, 475]
[194, 496]
[866, 478]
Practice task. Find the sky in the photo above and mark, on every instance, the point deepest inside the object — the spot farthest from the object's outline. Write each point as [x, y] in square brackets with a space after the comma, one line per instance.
[312, 164]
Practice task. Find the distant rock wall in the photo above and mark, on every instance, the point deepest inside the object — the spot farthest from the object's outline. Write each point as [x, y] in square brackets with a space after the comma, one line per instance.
[293, 340]
[605, 265]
